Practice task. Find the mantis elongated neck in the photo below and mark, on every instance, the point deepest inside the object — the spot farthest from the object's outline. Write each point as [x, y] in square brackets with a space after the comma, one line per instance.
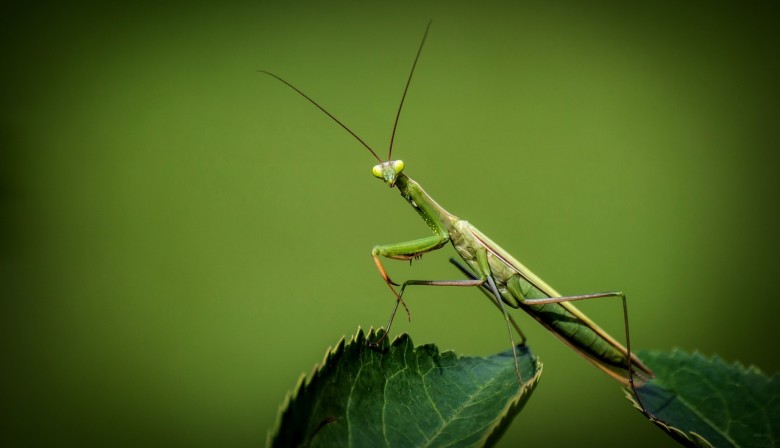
[431, 212]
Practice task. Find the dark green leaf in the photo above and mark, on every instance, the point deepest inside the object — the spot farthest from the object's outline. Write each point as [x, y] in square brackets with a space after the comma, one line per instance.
[401, 395]
[706, 402]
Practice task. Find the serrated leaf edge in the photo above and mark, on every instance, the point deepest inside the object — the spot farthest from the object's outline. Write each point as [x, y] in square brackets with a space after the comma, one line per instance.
[693, 437]
[305, 381]
[508, 413]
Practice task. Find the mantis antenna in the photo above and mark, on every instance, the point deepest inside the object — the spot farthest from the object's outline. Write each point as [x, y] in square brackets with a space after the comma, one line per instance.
[408, 81]
[397, 115]
[326, 112]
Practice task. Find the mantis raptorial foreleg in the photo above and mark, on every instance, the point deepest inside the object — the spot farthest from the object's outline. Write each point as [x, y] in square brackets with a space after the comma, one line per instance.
[404, 251]
[407, 250]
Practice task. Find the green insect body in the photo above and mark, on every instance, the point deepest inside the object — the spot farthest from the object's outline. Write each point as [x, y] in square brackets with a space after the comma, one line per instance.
[517, 285]
[492, 269]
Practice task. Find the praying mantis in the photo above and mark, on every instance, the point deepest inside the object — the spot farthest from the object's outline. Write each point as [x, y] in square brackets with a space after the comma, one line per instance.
[486, 265]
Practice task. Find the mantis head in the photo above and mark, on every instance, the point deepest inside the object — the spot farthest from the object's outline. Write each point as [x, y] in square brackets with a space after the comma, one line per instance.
[388, 171]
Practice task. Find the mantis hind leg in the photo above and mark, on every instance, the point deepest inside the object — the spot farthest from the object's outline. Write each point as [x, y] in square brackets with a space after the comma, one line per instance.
[513, 285]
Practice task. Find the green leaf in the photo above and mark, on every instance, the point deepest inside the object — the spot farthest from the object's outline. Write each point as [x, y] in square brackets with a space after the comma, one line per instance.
[706, 402]
[401, 395]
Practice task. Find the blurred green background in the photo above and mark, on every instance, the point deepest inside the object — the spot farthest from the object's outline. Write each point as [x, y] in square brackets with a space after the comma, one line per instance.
[182, 237]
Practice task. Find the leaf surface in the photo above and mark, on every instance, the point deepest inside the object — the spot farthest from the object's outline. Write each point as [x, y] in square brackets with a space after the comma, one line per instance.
[399, 395]
[703, 401]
